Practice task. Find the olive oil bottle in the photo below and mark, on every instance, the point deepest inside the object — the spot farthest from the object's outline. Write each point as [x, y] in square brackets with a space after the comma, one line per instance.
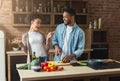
[34, 56]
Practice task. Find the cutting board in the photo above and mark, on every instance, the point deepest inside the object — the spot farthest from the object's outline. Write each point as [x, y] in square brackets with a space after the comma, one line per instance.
[59, 63]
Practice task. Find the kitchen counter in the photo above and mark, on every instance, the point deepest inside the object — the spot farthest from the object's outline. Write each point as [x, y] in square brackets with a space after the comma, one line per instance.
[16, 57]
[51, 50]
[69, 72]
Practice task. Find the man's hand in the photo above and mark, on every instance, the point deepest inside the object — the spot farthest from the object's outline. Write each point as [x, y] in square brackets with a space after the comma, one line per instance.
[57, 50]
[66, 59]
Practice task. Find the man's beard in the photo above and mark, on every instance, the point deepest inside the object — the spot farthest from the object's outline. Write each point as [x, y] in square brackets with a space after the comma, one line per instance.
[69, 22]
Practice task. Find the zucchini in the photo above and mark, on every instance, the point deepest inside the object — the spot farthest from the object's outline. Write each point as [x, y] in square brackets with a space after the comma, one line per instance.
[24, 67]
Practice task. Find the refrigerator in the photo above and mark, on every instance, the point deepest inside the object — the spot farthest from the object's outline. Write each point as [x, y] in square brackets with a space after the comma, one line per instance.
[2, 57]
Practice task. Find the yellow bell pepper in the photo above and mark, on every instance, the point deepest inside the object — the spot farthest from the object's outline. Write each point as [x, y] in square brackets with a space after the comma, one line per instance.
[50, 64]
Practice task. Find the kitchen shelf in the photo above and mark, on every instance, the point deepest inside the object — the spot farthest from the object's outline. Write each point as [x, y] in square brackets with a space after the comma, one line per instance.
[26, 25]
[51, 11]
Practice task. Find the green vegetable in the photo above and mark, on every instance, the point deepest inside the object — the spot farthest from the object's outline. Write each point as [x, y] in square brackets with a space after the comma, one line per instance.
[23, 67]
[33, 63]
[59, 61]
[83, 63]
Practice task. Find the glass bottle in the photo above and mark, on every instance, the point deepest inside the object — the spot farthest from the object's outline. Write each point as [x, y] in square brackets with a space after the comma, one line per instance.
[90, 25]
[55, 9]
[22, 6]
[58, 8]
[48, 7]
[99, 23]
[34, 9]
[84, 10]
[40, 7]
[34, 56]
[26, 6]
[17, 8]
[95, 24]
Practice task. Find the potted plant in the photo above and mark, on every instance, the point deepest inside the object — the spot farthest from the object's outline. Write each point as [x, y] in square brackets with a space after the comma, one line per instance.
[15, 45]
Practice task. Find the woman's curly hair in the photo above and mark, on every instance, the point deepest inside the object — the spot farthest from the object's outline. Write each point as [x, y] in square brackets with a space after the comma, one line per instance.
[33, 15]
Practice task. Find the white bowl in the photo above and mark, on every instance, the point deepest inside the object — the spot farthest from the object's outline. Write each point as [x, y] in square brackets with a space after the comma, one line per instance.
[15, 49]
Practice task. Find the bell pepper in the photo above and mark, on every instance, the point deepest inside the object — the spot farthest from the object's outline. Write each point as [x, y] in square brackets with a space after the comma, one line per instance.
[50, 64]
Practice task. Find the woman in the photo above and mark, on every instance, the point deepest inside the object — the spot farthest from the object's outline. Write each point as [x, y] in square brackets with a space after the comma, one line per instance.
[34, 41]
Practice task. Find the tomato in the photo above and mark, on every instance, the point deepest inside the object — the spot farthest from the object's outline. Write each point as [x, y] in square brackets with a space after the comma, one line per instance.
[48, 70]
[45, 68]
[53, 68]
[44, 64]
[60, 68]
[56, 67]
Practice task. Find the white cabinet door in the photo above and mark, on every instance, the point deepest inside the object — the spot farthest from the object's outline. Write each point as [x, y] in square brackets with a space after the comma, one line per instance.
[2, 57]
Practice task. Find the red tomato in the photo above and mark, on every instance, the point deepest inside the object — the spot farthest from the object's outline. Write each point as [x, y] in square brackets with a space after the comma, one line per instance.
[48, 70]
[45, 68]
[60, 68]
[53, 68]
[44, 64]
[56, 67]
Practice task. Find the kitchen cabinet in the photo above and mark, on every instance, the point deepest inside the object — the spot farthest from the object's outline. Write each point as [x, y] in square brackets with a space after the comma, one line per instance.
[51, 11]
[13, 58]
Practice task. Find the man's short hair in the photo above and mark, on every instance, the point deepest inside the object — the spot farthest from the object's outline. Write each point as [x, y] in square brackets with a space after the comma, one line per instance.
[71, 11]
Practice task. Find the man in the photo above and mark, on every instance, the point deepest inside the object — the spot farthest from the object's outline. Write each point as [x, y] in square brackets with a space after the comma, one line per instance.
[68, 39]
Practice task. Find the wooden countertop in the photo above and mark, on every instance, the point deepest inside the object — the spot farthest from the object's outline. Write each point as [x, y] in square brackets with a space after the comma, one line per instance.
[15, 53]
[68, 72]
[51, 50]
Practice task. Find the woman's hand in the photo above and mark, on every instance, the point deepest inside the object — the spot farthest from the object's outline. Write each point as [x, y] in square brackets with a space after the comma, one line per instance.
[21, 45]
[49, 35]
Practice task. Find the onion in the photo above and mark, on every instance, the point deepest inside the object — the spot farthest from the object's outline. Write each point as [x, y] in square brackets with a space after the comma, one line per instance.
[36, 68]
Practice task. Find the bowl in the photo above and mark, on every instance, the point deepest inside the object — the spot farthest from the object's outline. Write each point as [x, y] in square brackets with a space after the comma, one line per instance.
[15, 49]
[36, 68]
[96, 63]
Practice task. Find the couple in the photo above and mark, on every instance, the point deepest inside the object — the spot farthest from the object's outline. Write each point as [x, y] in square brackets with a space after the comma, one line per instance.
[68, 39]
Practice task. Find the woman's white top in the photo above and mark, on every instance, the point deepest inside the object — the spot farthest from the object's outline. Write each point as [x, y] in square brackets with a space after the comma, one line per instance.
[36, 43]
